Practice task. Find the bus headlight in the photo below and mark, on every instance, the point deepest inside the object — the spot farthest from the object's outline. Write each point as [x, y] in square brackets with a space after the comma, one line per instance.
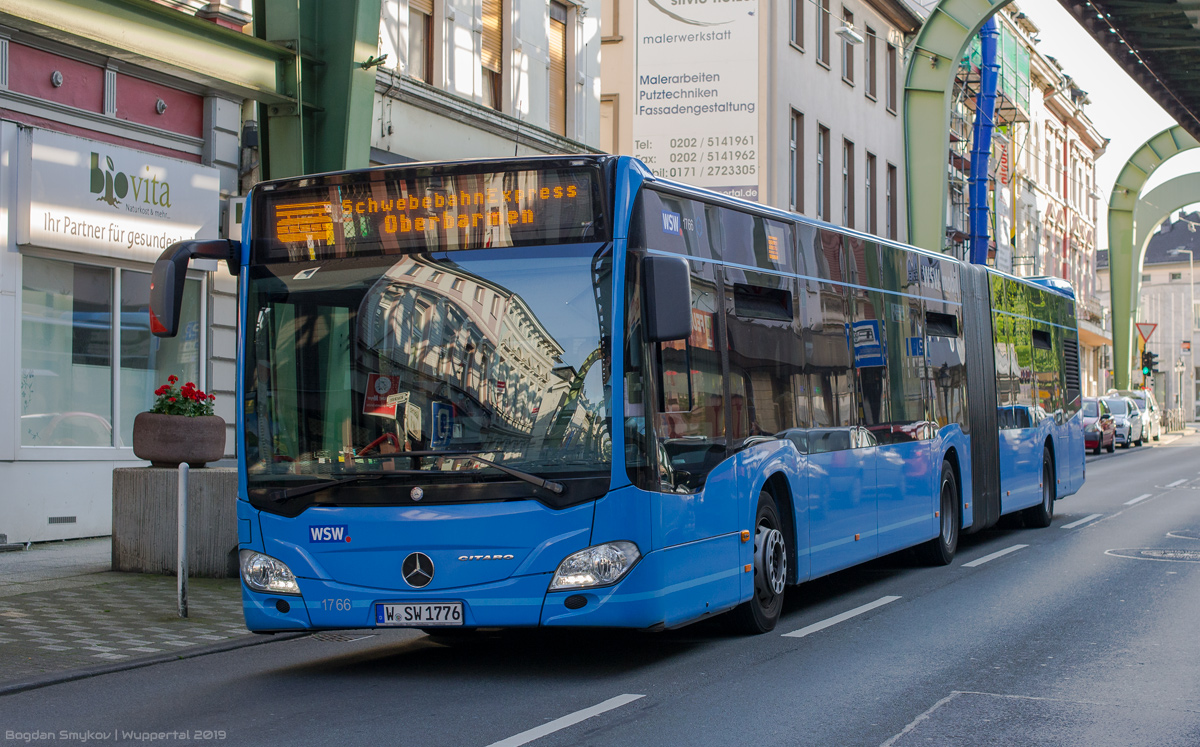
[264, 573]
[601, 565]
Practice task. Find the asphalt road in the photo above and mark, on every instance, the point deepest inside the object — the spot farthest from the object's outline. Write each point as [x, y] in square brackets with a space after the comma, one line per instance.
[1084, 633]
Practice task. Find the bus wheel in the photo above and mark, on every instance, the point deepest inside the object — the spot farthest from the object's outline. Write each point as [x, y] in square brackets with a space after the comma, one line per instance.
[1041, 515]
[761, 613]
[940, 550]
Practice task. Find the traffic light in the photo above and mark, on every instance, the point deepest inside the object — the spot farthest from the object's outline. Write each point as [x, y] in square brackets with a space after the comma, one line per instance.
[1149, 363]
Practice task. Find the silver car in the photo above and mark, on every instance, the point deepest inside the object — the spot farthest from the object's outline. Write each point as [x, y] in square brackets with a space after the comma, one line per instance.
[1147, 406]
[1127, 419]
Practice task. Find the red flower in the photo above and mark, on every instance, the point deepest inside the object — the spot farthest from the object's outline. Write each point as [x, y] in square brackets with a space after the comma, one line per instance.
[212, 396]
[170, 399]
[161, 390]
[172, 379]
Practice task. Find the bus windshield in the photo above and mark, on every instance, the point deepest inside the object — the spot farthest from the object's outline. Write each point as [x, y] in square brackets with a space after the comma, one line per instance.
[352, 362]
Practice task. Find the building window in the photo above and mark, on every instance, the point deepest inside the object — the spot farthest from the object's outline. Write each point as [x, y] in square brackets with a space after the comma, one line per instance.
[558, 68]
[479, 294]
[869, 62]
[822, 173]
[798, 22]
[796, 172]
[1176, 276]
[69, 340]
[420, 39]
[457, 284]
[492, 58]
[892, 74]
[847, 184]
[847, 49]
[823, 32]
[1146, 278]
[435, 277]
[872, 226]
[609, 122]
[610, 21]
[891, 212]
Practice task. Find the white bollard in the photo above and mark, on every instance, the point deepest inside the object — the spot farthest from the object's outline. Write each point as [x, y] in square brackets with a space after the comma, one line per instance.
[181, 562]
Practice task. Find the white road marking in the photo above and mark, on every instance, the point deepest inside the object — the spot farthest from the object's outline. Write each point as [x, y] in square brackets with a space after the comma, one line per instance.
[928, 712]
[570, 719]
[1084, 520]
[1139, 499]
[839, 618]
[993, 556]
[1176, 484]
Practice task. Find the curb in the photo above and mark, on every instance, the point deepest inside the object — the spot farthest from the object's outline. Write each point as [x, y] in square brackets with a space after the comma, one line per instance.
[72, 675]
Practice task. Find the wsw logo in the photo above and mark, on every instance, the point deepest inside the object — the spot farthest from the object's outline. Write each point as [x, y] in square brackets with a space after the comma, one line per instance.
[114, 186]
[328, 533]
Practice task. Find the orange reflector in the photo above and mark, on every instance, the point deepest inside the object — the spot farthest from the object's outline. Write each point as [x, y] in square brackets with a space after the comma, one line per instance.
[856, 538]
[745, 535]
[966, 505]
[937, 514]
[749, 568]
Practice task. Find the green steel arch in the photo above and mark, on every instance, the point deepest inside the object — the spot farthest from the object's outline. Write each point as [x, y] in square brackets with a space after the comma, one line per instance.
[1124, 266]
[928, 89]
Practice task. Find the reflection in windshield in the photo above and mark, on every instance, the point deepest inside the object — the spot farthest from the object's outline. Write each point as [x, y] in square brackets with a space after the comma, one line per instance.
[356, 362]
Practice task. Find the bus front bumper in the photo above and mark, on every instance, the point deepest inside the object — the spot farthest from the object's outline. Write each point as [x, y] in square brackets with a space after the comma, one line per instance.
[640, 600]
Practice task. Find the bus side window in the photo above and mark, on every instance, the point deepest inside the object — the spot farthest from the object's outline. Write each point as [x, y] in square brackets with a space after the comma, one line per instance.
[690, 424]
[829, 365]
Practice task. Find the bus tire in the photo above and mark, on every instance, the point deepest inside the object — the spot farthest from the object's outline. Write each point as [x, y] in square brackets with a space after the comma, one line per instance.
[941, 549]
[1041, 515]
[761, 612]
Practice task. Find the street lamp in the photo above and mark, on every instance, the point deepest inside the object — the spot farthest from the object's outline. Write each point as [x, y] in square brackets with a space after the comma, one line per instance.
[1192, 285]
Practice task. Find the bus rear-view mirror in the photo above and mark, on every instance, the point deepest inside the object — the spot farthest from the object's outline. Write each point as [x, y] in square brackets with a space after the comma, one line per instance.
[170, 272]
[667, 295]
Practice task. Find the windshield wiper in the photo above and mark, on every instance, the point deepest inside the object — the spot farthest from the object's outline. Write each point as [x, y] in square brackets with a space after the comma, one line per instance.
[287, 494]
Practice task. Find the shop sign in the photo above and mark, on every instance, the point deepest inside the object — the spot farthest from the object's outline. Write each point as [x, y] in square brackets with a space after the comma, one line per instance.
[85, 196]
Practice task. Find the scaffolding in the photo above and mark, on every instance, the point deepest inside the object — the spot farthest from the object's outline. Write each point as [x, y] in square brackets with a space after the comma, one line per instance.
[1012, 106]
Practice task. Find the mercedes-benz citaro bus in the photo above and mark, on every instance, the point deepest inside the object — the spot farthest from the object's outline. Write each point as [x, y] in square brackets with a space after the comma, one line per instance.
[560, 391]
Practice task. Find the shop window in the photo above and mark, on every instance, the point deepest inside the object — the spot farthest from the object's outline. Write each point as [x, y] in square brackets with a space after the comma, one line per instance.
[68, 337]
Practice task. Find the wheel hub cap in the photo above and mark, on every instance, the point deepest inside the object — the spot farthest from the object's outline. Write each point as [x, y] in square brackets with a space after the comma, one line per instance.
[771, 560]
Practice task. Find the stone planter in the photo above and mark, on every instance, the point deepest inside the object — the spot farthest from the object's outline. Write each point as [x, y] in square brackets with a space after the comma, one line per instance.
[169, 440]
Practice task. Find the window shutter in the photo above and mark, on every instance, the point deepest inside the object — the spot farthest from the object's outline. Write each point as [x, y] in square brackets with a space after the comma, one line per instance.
[558, 68]
[492, 33]
[421, 6]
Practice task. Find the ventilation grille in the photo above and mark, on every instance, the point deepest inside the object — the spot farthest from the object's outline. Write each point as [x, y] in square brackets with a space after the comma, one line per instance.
[62, 519]
[1071, 364]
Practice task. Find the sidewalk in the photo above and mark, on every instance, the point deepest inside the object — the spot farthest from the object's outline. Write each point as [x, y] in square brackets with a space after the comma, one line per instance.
[64, 614]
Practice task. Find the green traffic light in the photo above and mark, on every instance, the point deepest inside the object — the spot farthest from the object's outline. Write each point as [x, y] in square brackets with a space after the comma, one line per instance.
[1145, 370]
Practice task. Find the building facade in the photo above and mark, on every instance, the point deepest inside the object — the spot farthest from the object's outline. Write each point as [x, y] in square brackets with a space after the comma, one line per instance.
[1043, 200]
[793, 104]
[466, 79]
[105, 159]
[1168, 300]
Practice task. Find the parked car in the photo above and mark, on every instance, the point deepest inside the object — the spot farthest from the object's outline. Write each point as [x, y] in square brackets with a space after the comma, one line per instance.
[1127, 420]
[1099, 432]
[1148, 406]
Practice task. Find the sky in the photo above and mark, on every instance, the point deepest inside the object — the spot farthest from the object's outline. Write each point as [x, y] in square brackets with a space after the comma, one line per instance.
[1119, 108]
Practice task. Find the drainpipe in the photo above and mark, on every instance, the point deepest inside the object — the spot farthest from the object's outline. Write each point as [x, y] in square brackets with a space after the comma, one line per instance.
[981, 146]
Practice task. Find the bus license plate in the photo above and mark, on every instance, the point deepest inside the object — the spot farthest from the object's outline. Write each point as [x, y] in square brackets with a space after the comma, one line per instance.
[419, 615]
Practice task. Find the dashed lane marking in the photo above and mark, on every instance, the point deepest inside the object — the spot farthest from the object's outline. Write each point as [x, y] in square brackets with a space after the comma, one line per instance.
[570, 719]
[1139, 499]
[1176, 484]
[998, 554]
[1081, 522]
[807, 630]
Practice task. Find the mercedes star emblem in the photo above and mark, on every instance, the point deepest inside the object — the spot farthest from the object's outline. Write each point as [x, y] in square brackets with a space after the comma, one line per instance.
[417, 570]
[416, 494]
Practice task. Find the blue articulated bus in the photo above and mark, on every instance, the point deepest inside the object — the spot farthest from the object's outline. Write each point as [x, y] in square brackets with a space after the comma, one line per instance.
[562, 392]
